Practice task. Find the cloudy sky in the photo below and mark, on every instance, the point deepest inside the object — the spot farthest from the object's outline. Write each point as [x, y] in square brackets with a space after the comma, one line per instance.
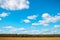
[30, 16]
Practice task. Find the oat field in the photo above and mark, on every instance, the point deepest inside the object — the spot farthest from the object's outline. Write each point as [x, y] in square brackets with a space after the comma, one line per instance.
[29, 38]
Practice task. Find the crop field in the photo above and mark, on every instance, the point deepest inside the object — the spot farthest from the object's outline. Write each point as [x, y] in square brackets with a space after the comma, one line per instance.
[29, 38]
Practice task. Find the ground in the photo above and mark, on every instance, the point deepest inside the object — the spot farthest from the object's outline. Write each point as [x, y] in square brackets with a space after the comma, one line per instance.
[29, 38]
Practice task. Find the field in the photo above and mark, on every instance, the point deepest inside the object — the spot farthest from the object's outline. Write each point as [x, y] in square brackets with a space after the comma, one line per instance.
[29, 38]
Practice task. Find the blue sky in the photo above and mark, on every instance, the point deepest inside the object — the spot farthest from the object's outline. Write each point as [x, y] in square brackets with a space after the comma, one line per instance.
[30, 16]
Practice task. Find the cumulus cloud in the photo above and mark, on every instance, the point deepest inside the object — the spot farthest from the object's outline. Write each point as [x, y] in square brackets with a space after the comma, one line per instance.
[14, 4]
[35, 24]
[35, 32]
[46, 19]
[13, 29]
[49, 18]
[57, 31]
[32, 17]
[52, 30]
[46, 15]
[0, 18]
[46, 30]
[29, 18]
[9, 27]
[56, 26]
[0, 30]
[26, 21]
[22, 29]
[43, 22]
[40, 22]
[3, 14]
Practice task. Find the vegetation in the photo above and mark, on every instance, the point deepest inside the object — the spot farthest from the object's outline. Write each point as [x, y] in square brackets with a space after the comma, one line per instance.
[29, 35]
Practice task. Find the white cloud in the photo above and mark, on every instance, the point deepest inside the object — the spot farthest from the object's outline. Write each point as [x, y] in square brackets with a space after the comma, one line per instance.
[48, 31]
[15, 30]
[9, 27]
[57, 32]
[0, 19]
[57, 18]
[35, 32]
[29, 17]
[56, 26]
[0, 30]
[35, 24]
[47, 18]
[22, 29]
[43, 22]
[14, 4]
[32, 17]
[45, 30]
[40, 22]
[58, 13]
[26, 21]
[52, 30]
[3, 14]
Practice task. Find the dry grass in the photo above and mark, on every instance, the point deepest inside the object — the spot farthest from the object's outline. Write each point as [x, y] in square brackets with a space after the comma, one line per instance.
[30, 38]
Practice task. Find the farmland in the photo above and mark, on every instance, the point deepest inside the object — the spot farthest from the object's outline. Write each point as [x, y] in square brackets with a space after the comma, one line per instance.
[29, 38]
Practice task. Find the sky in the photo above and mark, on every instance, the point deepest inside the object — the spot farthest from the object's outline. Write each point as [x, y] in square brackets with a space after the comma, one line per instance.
[29, 16]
